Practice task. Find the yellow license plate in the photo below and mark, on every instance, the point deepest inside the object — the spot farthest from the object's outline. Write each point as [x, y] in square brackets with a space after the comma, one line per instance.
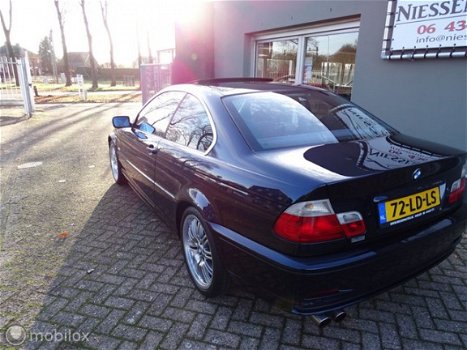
[410, 207]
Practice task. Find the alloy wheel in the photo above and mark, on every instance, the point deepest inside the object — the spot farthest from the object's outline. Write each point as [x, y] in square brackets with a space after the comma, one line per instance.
[114, 162]
[197, 251]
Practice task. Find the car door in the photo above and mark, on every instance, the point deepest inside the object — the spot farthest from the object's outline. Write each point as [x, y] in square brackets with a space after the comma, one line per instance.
[142, 140]
[189, 137]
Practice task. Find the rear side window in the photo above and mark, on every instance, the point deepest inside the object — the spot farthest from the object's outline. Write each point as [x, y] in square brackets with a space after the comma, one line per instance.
[155, 116]
[270, 120]
[190, 125]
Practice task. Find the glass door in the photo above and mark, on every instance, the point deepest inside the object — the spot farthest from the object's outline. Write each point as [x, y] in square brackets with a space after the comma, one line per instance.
[330, 62]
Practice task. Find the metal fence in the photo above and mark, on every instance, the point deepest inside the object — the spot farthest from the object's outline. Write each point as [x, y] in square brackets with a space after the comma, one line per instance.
[16, 83]
[154, 77]
[10, 91]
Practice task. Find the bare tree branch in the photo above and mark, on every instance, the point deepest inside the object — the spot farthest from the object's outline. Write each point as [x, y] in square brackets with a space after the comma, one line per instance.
[104, 11]
[66, 66]
[7, 32]
[3, 22]
[91, 55]
[11, 13]
[5, 29]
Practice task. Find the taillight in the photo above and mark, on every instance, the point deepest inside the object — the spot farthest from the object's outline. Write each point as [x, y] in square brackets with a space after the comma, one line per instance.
[457, 188]
[315, 221]
[352, 223]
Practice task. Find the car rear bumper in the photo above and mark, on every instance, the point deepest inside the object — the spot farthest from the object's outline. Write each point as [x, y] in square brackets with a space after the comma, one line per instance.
[324, 284]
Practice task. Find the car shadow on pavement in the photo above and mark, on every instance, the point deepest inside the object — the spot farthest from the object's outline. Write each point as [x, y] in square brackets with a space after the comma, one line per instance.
[124, 282]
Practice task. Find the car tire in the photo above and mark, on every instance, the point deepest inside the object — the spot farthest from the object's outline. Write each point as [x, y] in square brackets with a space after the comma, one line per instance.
[115, 166]
[201, 255]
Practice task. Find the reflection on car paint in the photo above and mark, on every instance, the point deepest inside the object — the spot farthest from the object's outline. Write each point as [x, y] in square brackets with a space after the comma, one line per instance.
[383, 154]
[359, 123]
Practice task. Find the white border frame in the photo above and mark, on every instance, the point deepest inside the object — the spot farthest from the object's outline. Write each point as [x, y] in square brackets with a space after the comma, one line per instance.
[411, 54]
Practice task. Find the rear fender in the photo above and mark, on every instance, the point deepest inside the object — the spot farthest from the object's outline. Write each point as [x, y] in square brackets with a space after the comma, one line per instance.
[202, 203]
[193, 197]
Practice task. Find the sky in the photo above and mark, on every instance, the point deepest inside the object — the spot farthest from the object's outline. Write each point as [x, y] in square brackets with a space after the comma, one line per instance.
[130, 21]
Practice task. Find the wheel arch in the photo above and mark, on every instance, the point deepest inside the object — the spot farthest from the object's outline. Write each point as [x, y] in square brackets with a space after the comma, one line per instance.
[194, 197]
[111, 137]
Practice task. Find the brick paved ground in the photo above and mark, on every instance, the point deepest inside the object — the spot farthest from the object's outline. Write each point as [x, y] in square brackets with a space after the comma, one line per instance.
[80, 254]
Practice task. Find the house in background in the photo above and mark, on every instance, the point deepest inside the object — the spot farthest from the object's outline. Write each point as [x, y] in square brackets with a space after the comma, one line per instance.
[80, 63]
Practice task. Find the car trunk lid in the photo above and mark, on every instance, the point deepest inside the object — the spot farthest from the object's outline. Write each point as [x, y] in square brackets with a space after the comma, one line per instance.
[396, 182]
[372, 177]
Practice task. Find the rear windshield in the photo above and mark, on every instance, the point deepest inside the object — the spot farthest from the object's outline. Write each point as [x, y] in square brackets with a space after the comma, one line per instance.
[270, 120]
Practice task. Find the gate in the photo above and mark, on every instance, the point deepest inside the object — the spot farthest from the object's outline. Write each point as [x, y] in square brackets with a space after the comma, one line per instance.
[10, 93]
[154, 77]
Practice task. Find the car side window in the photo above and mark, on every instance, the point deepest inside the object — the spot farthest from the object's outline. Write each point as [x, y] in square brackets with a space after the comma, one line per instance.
[156, 115]
[191, 125]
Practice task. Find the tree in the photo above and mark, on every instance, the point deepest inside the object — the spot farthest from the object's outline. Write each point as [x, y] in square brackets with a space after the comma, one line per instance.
[46, 55]
[91, 56]
[104, 12]
[66, 66]
[345, 54]
[150, 60]
[7, 32]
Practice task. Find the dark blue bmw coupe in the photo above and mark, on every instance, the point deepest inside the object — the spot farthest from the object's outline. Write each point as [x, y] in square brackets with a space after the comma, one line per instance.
[292, 190]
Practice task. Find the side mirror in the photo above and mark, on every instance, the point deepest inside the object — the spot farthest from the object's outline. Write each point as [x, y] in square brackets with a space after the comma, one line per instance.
[121, 122]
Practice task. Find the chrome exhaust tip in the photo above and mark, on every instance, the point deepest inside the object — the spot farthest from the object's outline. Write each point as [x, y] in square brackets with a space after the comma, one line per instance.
[321, 320]
[339, 315]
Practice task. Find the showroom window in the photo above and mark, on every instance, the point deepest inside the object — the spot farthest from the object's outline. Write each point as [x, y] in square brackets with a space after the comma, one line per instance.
[322, 56]
[277, 59]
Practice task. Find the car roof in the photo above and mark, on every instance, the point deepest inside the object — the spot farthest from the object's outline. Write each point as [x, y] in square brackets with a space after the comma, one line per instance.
[263, 84]
[234, 86]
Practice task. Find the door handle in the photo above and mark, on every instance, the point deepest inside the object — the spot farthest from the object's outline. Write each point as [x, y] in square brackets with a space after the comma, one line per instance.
[152, 149]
